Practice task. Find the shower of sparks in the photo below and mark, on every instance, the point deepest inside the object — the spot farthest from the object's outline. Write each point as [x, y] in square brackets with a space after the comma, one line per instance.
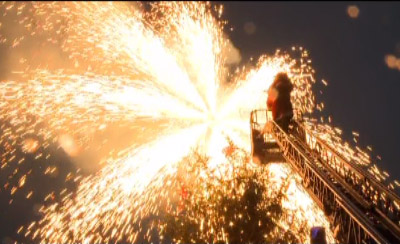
[121, 64]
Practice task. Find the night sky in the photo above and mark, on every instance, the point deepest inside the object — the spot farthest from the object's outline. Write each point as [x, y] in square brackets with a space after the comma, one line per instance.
[349, 53]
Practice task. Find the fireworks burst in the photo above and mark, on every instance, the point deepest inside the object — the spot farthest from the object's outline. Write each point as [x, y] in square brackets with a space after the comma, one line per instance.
[122, 64]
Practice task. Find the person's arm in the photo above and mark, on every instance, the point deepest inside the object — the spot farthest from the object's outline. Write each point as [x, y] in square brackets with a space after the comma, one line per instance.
[269, 103]
[272, 94]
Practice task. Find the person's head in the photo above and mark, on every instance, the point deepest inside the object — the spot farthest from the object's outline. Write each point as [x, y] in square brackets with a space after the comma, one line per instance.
[282, 82]
[281, 77]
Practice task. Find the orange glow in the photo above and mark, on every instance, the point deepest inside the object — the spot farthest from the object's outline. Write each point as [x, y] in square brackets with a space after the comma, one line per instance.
[69, 145]
[353, 11]
[30, 145]
[391, 61]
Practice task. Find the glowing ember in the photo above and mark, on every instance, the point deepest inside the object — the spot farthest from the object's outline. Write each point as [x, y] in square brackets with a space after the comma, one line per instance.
[69, 145]
[392, 62]
[353, 11]
[30, 145]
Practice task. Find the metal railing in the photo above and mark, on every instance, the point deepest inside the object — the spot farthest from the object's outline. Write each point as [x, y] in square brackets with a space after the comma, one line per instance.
[365, 188]
[336, 185]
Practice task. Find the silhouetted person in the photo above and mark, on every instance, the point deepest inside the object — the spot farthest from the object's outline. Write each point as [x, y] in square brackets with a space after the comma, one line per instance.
[279, 100]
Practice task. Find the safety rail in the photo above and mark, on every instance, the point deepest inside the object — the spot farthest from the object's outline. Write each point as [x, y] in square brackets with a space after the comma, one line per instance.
[366, 188]
[332, 187]
[259, 117]
[352, 224]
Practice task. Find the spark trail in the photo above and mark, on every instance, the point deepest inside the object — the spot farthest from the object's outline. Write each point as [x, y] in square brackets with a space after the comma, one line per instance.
[123, 64]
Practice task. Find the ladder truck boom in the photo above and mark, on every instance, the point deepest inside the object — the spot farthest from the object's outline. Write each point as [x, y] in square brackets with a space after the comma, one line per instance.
[359, 208]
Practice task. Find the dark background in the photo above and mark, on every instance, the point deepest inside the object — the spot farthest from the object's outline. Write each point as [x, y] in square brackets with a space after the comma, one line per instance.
[349, 53]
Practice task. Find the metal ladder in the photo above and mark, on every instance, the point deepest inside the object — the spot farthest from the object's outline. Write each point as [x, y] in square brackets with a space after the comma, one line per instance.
[337, 186]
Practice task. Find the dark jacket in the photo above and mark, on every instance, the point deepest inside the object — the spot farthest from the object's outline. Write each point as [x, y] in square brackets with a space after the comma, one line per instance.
[279, 97]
